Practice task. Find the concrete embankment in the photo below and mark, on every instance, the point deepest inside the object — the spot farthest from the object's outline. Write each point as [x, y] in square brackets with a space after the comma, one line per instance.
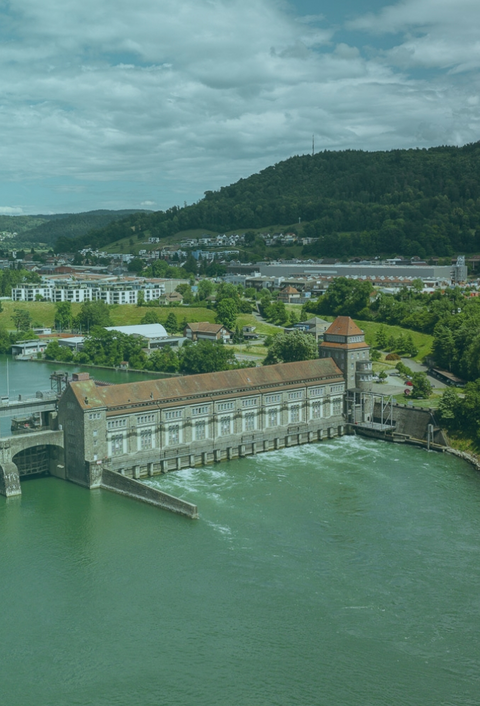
[123, 485]
[409, 425]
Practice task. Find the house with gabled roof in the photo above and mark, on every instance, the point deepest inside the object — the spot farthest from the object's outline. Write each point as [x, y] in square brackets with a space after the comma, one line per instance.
[289, 295]
[203, 330]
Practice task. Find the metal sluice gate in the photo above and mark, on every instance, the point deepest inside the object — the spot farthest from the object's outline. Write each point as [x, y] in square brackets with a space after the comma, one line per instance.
[33, 461]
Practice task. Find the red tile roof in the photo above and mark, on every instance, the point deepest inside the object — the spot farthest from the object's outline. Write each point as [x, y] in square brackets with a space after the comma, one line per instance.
[159, 392]
[344, 326]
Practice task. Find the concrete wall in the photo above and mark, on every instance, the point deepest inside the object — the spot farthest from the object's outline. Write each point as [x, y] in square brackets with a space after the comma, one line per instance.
[9, 479]
[413, 422]
[138, 491]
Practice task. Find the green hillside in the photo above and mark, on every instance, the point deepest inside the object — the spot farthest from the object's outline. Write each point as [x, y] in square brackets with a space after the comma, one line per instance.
[70, 225]
[415, 202]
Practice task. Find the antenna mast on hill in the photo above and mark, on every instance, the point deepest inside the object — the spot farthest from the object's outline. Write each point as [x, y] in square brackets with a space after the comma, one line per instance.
[313, 145]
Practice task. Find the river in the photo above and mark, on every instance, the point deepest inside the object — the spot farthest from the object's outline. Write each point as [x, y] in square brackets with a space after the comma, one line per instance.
[344, 572]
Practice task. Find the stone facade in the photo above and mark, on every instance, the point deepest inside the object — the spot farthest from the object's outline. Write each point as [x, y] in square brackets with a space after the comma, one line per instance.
[344, 341]
[141, 429]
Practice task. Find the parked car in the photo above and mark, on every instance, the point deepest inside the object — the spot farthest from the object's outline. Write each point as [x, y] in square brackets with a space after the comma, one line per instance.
[409, 382]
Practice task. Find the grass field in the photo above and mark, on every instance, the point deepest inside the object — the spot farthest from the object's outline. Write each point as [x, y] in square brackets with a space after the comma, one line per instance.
[43, 313]
[261, 327]
[422, 341]
[128, 314]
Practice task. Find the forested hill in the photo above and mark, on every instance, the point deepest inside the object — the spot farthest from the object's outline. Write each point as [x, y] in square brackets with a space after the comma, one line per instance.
[49, 228]
[415, 202]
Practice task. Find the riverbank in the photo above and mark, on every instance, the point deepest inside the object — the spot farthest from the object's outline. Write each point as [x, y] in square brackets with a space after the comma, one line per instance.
[71, 363]
[468, 457]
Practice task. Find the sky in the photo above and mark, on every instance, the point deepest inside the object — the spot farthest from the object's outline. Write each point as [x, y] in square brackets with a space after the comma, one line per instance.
[148, 104]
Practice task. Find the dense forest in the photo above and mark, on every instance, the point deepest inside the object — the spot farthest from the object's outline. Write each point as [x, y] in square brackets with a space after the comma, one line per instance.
[421, 202]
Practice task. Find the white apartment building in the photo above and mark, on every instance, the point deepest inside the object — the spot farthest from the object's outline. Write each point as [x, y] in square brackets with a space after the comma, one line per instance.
[113, 293]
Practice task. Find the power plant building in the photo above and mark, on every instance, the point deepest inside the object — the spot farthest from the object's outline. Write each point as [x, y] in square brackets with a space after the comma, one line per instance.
[144, 428]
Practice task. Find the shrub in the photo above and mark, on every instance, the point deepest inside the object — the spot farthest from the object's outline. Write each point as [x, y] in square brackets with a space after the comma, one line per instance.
[392, 356]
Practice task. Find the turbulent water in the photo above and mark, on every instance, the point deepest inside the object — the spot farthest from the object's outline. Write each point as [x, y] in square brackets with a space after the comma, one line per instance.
[345, 572]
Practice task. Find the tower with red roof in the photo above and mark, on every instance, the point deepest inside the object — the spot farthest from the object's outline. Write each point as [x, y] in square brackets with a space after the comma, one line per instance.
[344, 341]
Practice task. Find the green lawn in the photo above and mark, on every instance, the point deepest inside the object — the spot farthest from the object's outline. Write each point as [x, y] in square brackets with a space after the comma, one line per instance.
[129, 314]
[432, 401]
[422, 341]
[43, 313]
[261, 327]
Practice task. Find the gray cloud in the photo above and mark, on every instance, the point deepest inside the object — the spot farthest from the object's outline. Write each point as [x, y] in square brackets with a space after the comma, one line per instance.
[188, 95]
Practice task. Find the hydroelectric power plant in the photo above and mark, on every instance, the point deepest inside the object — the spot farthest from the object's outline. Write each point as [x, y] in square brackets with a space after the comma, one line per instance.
[113, 436]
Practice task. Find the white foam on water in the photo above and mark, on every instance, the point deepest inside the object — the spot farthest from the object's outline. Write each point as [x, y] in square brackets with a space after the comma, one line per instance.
[221, 529]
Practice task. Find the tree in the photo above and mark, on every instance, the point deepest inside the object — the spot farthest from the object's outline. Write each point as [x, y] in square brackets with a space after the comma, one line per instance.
[226, 290]
[205, 289]
[227, 312]
[345, 297]
[276, 312]
[382, 375]
[470, 409]
[190, 264]
[448, 407]
[410, 347]
[113, 347]
[93, 314]
[290, 347]
[171, 324]
[381, 338]
[186, 291]
[22, 319]
[135, 265]
[165, 360]
[54, 351]
[293, 317]
[150, 317]
[6, 340]
[140, 298]
[63, 315]
[391, 343]
[206, 357]
[421, 387]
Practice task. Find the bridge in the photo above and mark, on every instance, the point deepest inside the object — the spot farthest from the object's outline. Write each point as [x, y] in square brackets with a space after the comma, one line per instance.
[30, 454]
[43, 402]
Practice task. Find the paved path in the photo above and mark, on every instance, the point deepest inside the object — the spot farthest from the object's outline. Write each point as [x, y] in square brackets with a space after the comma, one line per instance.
[420, 368]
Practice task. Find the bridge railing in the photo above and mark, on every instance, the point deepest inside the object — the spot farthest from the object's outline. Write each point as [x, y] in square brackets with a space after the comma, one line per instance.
[48, 396]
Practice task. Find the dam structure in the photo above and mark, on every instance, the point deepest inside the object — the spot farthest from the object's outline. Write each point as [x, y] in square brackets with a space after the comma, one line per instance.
[140, 429]
[115, 436]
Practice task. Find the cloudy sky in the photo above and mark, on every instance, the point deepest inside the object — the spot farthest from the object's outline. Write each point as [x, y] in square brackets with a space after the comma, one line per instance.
[147, 104]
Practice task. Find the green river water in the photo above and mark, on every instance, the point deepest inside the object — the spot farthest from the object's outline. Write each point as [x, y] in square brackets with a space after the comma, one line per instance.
[341, 573]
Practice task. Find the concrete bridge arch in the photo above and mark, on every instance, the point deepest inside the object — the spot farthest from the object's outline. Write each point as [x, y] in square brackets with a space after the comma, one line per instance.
[27, 454]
